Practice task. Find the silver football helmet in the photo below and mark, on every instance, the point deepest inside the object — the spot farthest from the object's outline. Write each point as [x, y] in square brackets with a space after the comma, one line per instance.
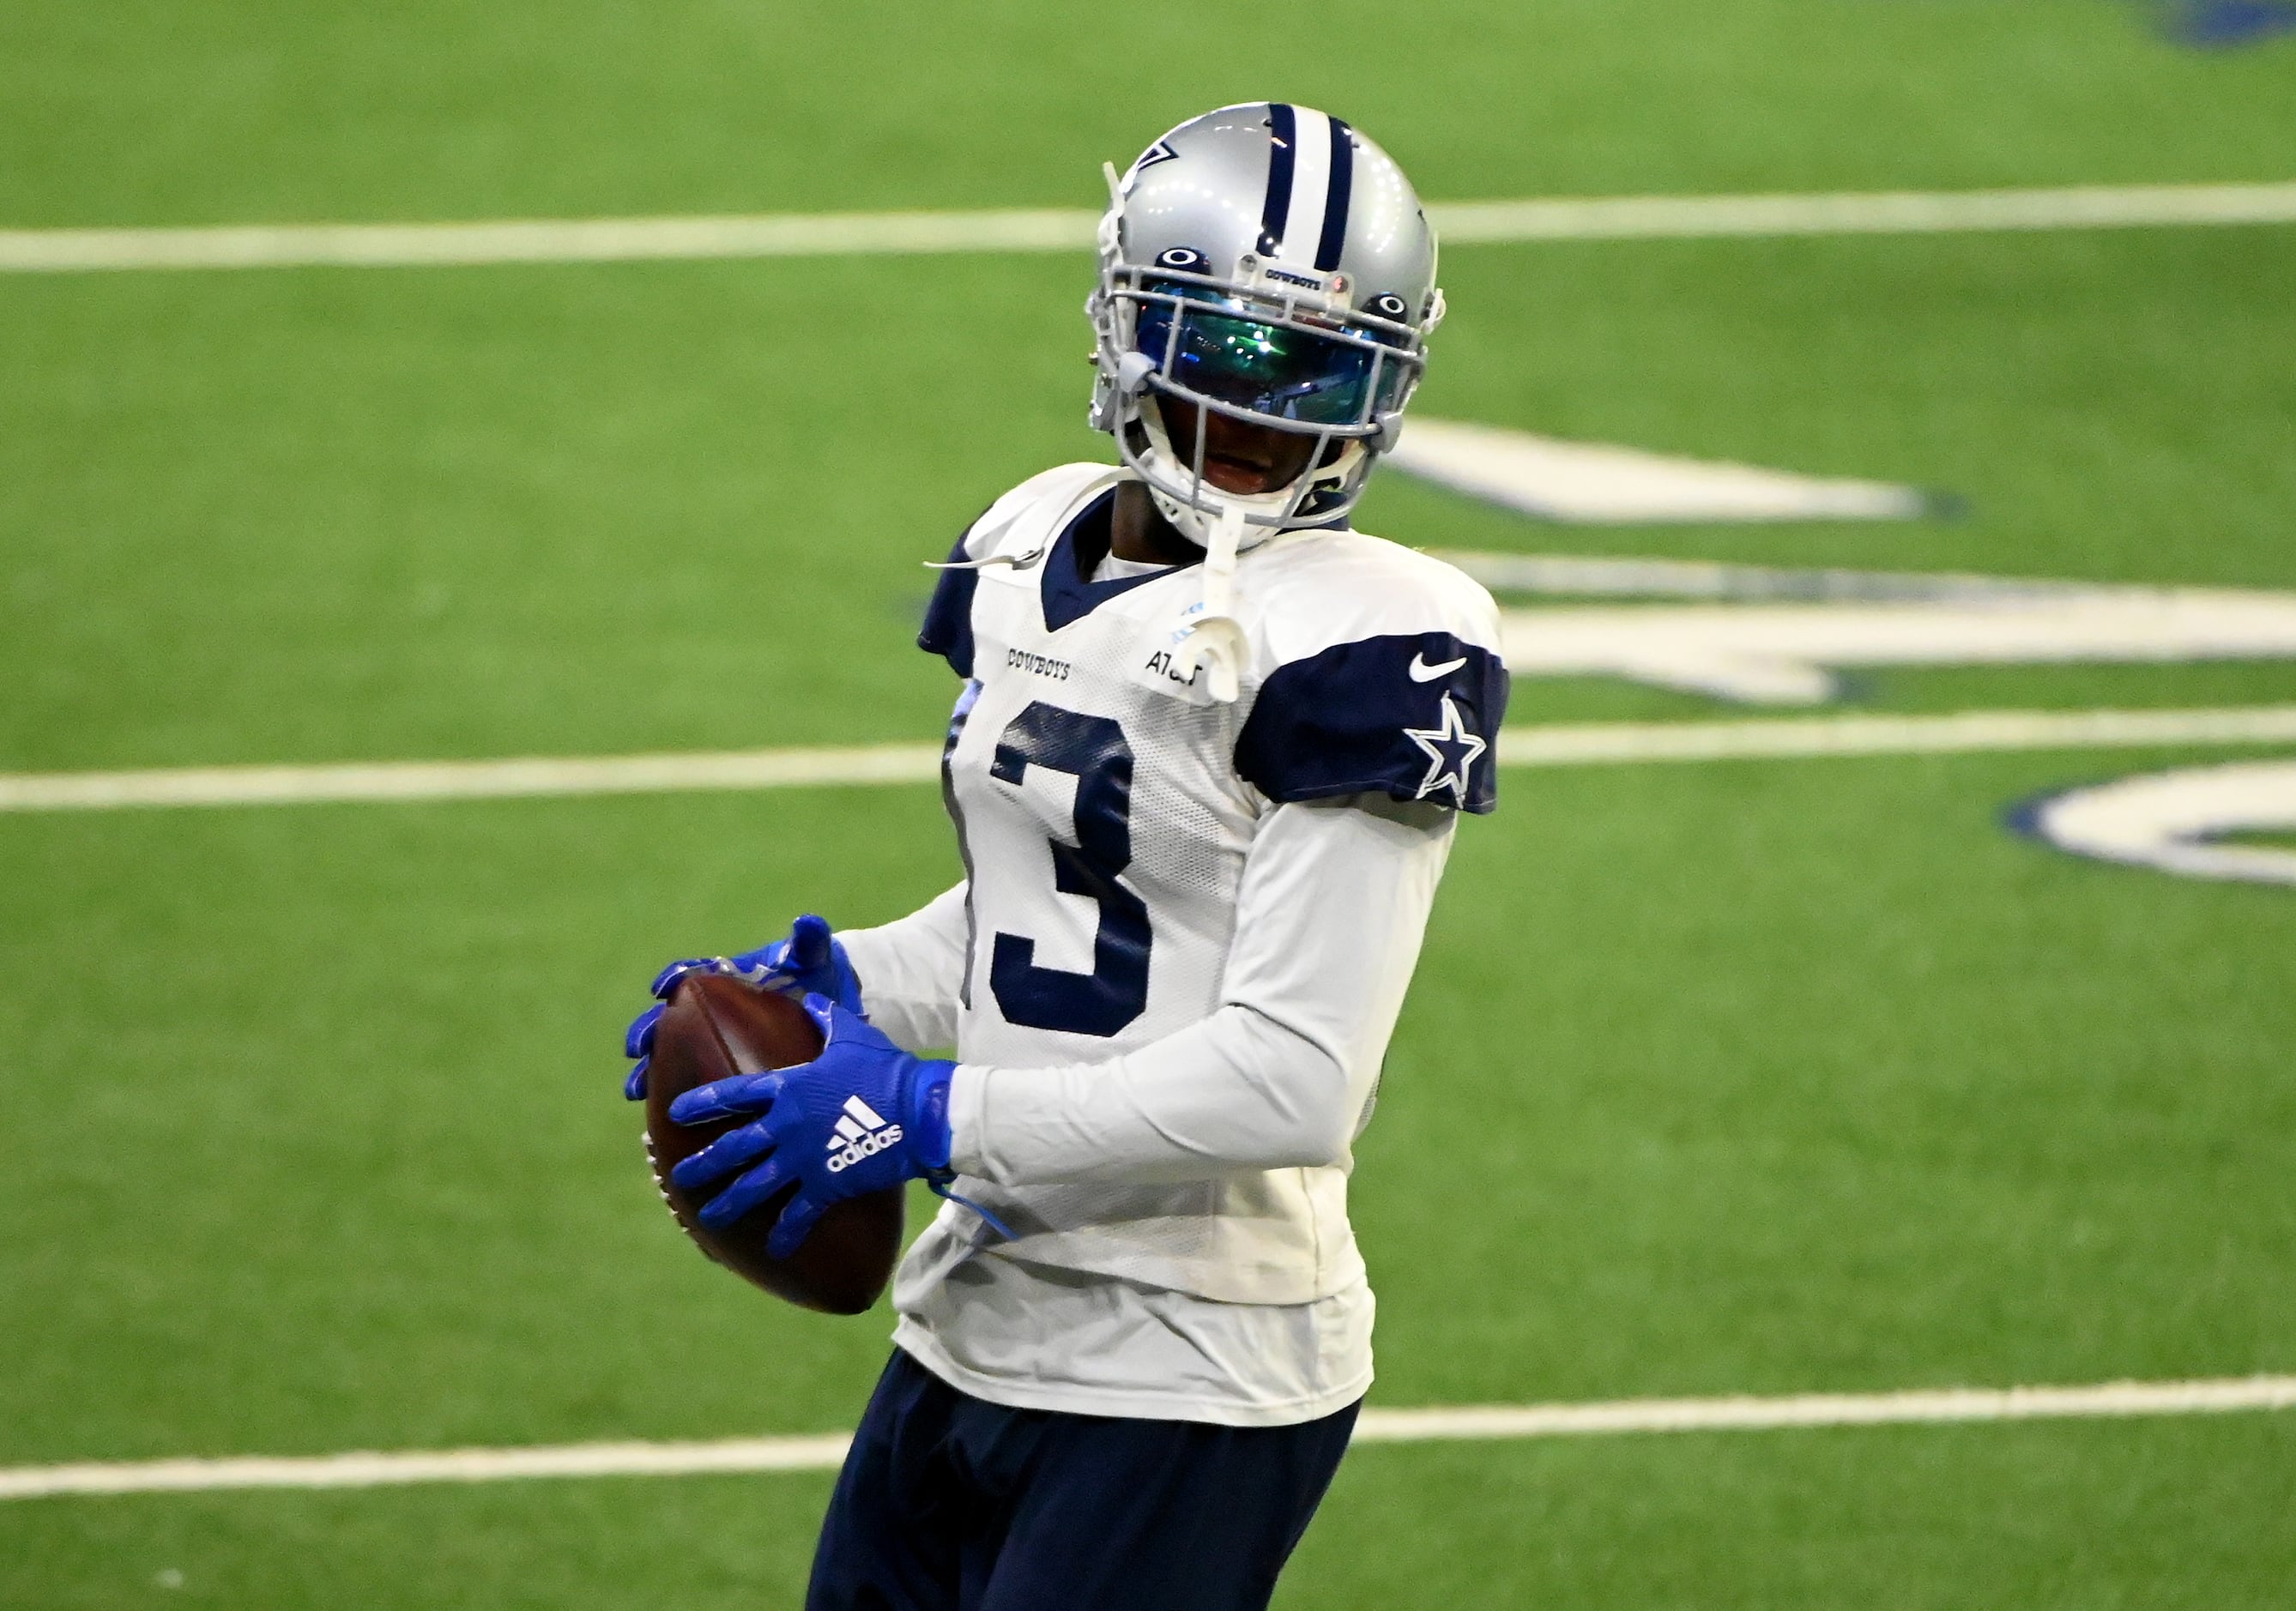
[1266, 262]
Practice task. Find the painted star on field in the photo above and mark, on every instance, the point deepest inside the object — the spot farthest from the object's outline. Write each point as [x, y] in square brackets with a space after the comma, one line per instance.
[1451, 751]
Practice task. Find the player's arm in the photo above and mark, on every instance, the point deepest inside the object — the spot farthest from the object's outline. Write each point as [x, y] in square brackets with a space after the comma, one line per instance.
[911, 969]
[1332, 910]
[1334, 907]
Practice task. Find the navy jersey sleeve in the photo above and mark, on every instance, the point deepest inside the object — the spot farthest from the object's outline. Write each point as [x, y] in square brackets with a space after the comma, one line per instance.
[947, 631]
[1412, 716]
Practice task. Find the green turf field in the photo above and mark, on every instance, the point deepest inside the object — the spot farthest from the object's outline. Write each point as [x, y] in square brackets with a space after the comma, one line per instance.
[1807, 1075]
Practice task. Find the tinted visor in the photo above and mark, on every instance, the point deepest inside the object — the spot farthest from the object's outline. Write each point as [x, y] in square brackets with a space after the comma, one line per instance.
[1277, 370]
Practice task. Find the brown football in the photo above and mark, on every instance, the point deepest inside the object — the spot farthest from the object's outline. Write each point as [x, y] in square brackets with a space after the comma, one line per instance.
[717, 1027]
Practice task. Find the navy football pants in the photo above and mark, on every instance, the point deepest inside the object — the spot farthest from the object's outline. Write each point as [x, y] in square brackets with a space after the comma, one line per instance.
[947, 1503]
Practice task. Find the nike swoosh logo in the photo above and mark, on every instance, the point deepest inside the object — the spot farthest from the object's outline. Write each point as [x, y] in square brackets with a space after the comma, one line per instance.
[1422, 671]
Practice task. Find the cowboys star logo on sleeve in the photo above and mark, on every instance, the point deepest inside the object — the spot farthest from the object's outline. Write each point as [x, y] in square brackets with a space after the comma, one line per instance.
[1451, 750]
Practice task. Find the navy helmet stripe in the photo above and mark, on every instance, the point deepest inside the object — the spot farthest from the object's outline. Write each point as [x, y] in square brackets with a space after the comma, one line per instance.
[1335, 198]
[1281, 151]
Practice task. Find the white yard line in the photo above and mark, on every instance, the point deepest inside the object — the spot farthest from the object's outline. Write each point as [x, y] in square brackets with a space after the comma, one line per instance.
[544, 240]
[1593, 744]
[368, 1470]
[1866, 213]
[825, 1452]
[1071, 229]
[1562, 744]
[468, 779]
[1932, 1406]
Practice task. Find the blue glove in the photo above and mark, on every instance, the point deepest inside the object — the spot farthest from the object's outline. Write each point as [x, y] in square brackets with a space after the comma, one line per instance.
[862, 1116]
[810, 962]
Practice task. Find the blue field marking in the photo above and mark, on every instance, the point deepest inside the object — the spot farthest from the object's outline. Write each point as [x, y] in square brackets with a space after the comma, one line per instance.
[2187, 822]
[2227, 24]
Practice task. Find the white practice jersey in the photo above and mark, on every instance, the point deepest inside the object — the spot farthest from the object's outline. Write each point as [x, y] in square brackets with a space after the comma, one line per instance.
[1158, 1081]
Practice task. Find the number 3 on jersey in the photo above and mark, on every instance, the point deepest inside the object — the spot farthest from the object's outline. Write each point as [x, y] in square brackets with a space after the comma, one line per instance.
[1092, 749]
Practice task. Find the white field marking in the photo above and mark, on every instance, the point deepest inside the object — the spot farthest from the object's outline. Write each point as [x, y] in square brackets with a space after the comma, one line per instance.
[1559, 744]
[1607, 743]
[1866, 213]
[2174, 820]
[1071, 229]
[1595, 484]
[375, 1470]
[827, 1452]
[532, 776]
[1629, 577]
[1781, 654]
[1766, 635]
[1920, 1407]
[544, 240]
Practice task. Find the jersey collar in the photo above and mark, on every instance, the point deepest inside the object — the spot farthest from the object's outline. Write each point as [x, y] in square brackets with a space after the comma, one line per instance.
[1068, 597]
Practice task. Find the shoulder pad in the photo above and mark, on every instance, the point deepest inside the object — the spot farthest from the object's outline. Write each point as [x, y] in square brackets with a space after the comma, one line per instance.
[1003, 525]
[947, 629]
[1386, 677]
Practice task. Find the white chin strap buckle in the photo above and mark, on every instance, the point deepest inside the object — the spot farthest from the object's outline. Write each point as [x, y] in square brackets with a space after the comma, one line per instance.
[1215, 641]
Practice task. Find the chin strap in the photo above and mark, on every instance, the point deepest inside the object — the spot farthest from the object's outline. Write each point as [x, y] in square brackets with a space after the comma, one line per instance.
[1214, 641]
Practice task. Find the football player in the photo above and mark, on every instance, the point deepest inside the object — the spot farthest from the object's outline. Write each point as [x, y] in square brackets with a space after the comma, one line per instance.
[1204, 770]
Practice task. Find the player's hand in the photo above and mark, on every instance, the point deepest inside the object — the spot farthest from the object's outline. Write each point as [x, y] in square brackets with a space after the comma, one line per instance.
[860, 1117]
[809, 961]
